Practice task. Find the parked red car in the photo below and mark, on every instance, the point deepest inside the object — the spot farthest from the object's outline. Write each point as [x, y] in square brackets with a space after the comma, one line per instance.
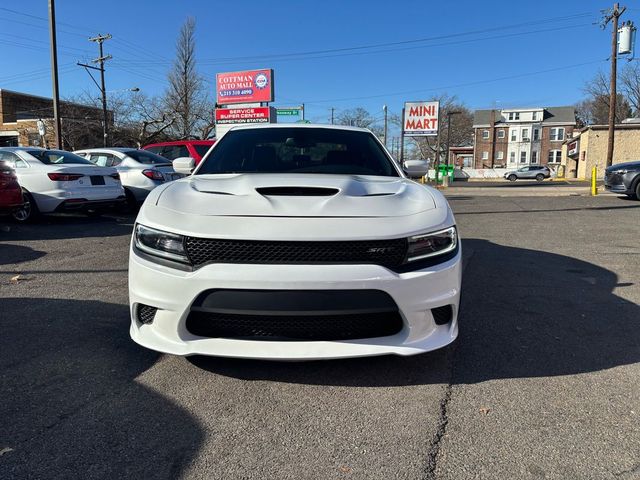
[10, 191]
[195, 149]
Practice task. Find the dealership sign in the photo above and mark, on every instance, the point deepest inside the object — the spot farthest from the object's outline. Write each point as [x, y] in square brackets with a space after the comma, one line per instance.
[243, 115]
[420, 118]
[249, 86]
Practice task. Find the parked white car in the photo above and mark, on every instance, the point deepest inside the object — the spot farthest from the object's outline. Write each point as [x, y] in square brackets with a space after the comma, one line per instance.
[140, 171]
[59, 181]
[295, 242]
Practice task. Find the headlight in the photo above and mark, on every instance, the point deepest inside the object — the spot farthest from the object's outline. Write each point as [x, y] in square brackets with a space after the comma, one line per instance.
[621, 172]
[432, 244]
[159, 243]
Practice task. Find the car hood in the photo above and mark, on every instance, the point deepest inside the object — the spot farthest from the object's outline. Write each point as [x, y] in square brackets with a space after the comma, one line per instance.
[635, 165]
[296, 195]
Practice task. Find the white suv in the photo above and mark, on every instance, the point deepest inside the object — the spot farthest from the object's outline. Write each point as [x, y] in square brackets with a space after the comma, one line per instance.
[294, 242]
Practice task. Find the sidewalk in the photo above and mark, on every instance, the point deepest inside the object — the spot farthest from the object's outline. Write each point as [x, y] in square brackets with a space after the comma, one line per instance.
[524, 191]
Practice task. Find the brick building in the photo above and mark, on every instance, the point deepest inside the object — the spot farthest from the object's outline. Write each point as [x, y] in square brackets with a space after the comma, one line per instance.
[20, 112]
[521, 136]
[588, 149]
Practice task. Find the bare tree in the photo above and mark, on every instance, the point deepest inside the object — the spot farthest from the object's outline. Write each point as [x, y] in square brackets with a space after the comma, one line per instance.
[186, 98]
[594, 109]
[630, 86]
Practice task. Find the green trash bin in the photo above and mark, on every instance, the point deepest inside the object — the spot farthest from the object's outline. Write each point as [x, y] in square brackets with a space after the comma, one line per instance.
[445, 170]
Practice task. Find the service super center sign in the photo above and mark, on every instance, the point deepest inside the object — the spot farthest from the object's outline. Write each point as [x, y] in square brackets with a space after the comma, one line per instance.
[243, 115]
[249, 86]
[421, 118]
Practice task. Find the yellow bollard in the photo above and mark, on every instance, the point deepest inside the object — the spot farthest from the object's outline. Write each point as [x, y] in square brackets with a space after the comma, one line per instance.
[594, 187]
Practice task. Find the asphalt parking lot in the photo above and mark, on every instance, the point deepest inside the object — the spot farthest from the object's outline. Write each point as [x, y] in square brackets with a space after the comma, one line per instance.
[542, 382]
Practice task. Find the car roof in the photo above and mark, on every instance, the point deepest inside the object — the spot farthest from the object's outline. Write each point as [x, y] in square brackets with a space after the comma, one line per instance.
[182, 142]
[108, 149]
[19, 149]
[300, 125]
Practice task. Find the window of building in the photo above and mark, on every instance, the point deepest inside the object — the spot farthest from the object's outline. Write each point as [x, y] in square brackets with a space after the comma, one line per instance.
[536, 134]
[485, 155]
[534, 116]
[534, 156]
[500, 155]
[500, 133]
[514, 115]
[525, 134]
[485, 134]
[514, 135]
[557, 134]
[523, 157]
[555, 156]
[512, 157]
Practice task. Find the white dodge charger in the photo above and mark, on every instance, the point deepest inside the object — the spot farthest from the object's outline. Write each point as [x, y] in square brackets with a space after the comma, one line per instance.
[295, 242]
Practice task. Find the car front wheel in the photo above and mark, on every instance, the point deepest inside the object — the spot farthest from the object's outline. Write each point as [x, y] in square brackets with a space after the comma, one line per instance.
[29, 210]
[512, 178]
[638, 190]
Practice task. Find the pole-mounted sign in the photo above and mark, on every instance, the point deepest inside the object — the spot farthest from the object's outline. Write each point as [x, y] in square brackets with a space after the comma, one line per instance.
[420, 119]
[249, 86]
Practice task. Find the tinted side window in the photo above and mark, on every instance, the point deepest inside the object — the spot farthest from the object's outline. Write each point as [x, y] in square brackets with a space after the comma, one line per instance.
[155, 150]
[175, 151]
[104, 159]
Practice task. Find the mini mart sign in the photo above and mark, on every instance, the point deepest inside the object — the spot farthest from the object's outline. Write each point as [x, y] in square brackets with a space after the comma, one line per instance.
[421, 119]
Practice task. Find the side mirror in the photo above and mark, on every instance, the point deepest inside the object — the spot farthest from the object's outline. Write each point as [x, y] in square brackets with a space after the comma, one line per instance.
[415, 168]
[184, 165]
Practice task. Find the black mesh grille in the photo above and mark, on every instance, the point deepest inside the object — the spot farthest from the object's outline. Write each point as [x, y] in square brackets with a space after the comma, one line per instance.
[284, 327]
[146, 314]
[388, 253]
[442, 315]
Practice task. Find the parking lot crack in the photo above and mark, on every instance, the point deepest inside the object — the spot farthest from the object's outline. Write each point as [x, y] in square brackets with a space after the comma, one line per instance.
[441, 428]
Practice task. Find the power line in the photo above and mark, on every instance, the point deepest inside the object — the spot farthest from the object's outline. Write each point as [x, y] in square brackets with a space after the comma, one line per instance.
[358, 50]
[459, 85]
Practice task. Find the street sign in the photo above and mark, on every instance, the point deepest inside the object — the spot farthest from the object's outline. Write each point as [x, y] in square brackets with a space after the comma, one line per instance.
[420, 119]
[42, 128]
[291, 112]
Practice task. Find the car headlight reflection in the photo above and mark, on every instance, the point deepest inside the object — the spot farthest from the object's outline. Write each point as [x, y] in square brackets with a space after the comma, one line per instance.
[432, 244]
[160, 244]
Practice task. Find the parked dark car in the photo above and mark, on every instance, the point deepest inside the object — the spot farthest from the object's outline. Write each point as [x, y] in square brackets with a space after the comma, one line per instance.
[623, 178]
[537, 172]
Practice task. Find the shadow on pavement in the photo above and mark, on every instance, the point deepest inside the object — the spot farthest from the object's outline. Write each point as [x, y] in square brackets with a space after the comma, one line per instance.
[70, 405]
[18, 254]
[525, 313]
[55, 227]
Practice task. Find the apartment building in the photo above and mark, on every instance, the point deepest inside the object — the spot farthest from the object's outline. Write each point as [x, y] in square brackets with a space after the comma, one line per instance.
[512, 138]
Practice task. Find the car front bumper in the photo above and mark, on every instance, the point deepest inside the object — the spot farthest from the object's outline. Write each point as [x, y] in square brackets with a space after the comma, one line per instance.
[173, 292]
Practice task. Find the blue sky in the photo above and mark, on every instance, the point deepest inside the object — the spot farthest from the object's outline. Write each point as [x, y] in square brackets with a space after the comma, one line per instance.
[484, 52]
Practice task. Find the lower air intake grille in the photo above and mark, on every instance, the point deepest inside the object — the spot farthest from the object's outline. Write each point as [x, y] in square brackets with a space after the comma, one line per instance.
[388, 253]
[286, 327]
[442, 315]
[146, 314]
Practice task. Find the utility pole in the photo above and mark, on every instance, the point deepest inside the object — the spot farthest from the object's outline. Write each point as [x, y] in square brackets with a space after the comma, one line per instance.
[54, 74]
[613, 16]
[332, 109]
[384, 109]
[100, 60]
[402, 140]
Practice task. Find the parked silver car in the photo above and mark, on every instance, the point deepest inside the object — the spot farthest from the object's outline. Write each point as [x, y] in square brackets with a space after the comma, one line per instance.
[532, 172]
[140, 171]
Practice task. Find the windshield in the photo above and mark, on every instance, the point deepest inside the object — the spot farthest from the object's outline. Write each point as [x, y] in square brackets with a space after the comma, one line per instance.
[202, 149]
[58, 157]
[298, 150]
[148, 158]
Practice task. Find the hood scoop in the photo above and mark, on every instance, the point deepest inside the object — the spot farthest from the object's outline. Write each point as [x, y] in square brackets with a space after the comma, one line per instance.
[297, 191]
